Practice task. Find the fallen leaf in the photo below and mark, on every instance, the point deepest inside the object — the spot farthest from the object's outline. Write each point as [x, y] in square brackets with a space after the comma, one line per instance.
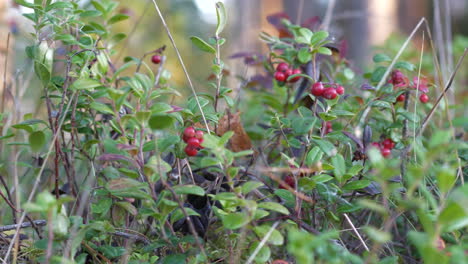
[231, 122]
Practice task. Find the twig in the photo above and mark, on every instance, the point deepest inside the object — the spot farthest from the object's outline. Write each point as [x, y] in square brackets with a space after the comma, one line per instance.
[23, 225]
[182, 64]
[135, 237]
[356, 232]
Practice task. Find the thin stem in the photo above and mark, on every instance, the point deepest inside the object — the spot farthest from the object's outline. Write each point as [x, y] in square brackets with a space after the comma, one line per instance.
[182, 64]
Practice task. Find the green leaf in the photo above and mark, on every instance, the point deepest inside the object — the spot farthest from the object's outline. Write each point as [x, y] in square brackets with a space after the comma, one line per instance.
[339, 165]
[405, 65]
[102, 205]
[37, 140]
[378, 74]
[275, 238]
[324, 51]
[413, 117]
[263, 254]
[356, 185]
[235, 220]
[202, 45]
[446, 179]
[160, 122]
[189, 189]
[274, 207]
[91, 13]
[221, 16]
[315, 155]
[381, 58]
[102, 108]
[319, 36]
[381, 104]
[304, 55]
[250, 186]
[377, 235]
[321, 178]
[85, 84]
[454, 216]
[327, 147]
[117, 18]
[178, 214]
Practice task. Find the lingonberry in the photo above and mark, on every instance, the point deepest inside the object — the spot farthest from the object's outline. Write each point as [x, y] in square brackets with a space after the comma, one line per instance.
[280, 76]
[424, 98]
[156, 59]
[388, 143]
[328, 124]
[317, 89]
[189, 132]
[282, 67]
[194, 142]
[376, 145]
[190, 151]
[385, 152]
[288, 73]
[199, 135]
[329, 130]
[185, 138]
[296, 78]
[289, 180]
[340, 89]
[330, 93]
[401, 98]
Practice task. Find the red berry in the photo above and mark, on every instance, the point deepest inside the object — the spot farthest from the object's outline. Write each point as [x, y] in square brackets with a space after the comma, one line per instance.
[317, 89]
[328, 124]
[190, 151]
[288, 73]
[295, 79]
[376, 145]
[156, 59]
[193, 142]
[330, 93]
[388, 143]
[199, 135]
[280, 76]
[189, 132]
[289, 180]
[401, 98]
[385, 152]
[329, 130]
[340, 89]
[185, 138]
[424, 98]
[282, 67]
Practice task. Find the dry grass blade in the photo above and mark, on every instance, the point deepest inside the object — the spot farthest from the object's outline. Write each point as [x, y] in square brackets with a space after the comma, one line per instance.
[356, 232]
[182, 64]
[447, 87]
[262, 243]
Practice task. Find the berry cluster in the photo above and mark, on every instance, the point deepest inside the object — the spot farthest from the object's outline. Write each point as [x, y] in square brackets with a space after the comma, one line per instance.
[289, 180]
[399, 80]
[385, 147]
[193, 138]
[328, 91]
[283, 71]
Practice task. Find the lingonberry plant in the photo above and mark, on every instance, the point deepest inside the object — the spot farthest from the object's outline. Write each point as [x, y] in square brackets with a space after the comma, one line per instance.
[309, 162]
